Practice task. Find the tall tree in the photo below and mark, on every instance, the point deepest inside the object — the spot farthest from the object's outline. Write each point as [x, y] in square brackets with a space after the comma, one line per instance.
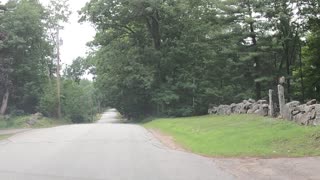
[23, 48]
[176, 57]
[58, 14]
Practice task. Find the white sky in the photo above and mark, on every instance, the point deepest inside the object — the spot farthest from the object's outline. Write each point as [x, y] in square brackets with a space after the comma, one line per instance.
[75, 35]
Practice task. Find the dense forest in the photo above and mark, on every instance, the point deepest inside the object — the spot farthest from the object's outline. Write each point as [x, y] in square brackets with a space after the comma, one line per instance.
[175, 57]
[158, 57]
[31, 79]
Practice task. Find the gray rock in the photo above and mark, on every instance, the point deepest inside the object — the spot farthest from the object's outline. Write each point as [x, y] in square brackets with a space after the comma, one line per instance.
[255, 107]
[302, 108]
[271, 107]
[245, 101]
[288, 109]
[304, 119]
[313, 101]
[308, 114]
[224, 110]
[238, 108]
[251, 101]
[213, 110]
[252, 108]
[233, 108]
[244, 107]
[281, 99]
[250, 111]
[316, 120]
[305, 114]
[295, 112]
[262, 102]
[282, 80]
[248, 106]
[32, 121]
[263, 110]
[297, 118]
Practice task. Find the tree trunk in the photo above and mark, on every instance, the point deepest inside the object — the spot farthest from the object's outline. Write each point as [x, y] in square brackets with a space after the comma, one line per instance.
[256, 59]
[154, 29]
[4, 104]
[257, 64]
[301, 75]
[58, 77]
[288, 74]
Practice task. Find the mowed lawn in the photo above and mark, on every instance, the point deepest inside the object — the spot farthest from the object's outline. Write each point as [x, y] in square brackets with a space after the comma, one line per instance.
[241, 136]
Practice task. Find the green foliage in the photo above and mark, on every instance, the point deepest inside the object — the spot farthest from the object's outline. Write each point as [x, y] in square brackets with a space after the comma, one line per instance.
[175, 57]
[28, 64]
[48, 101]
[15, 122]
[76, 70]
[165, 58]
[79, 101]
[308, 71]
[241, 136]
[25, 51]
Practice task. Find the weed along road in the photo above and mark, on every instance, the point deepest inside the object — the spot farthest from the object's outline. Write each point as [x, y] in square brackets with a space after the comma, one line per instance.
[101, 151]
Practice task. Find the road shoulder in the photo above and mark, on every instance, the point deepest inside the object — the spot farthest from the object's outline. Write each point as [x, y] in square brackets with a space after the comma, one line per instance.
[13, 131]
[257, 168]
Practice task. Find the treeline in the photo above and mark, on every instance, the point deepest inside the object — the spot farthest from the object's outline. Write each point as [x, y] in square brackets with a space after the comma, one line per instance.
[28, 64]
[175, 57]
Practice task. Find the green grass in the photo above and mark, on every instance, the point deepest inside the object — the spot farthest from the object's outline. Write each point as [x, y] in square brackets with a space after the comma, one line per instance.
[241, 136]
[2, 137]
[20, 122]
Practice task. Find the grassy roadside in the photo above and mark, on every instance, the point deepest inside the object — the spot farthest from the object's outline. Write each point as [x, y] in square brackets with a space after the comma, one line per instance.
[21, 122]
[241, 136]
[2, 137]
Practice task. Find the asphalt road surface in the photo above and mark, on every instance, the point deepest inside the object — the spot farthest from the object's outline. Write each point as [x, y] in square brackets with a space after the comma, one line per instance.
[102, 151]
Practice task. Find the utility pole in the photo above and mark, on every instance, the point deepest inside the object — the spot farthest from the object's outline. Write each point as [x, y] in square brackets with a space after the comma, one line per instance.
[58, 75]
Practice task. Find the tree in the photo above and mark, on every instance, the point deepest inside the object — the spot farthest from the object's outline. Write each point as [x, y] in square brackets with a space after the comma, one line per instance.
[58, 13]
[175, 57]
[23, 48]
[76, 69]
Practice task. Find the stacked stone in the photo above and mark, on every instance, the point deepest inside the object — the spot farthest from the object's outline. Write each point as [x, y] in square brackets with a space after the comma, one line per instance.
[250, 106]
[304, 114]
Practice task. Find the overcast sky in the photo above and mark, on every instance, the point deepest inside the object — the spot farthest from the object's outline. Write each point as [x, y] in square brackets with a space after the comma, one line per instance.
[75, 35]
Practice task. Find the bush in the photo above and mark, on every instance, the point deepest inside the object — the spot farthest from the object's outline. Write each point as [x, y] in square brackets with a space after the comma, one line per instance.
[77, 118]
[48, 101]
[17, 112]
[77, 100]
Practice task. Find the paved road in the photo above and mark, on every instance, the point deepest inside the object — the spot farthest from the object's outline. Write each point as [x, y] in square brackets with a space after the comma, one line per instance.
[102, 151]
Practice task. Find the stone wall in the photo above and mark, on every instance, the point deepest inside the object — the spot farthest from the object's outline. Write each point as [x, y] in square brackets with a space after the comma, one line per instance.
[304, 114]
[250, 106]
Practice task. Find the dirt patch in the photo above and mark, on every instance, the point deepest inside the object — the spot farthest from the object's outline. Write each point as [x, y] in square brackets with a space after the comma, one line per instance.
[275, 169]
[166, 140]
